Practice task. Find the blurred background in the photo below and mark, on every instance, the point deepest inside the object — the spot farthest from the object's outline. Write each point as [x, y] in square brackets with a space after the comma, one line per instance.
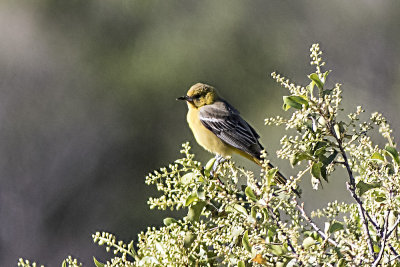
[87, 101]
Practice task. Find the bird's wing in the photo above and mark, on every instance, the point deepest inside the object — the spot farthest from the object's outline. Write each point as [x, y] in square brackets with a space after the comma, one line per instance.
[225, 122]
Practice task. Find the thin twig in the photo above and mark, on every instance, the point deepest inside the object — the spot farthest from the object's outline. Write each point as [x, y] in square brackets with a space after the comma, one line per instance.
[393, 227]
[351, 186]
[384, 239]
[312, 223]
[279, 223]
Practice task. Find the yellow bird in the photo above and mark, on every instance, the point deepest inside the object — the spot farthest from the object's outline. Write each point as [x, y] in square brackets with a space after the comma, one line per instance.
[218, 127]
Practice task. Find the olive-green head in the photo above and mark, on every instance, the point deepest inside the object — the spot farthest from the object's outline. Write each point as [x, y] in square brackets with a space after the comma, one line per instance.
[200, 95]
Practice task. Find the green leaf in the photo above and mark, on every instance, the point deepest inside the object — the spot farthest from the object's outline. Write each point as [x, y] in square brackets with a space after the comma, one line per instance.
[240, 209]
[335, 226]
[64, 263]
[250, 194]
[336, 127]
[296, 158]
[254, 212]
[323, 173]
[393, 152]
[245, 241]
[325, 75]
[364, 187]
[209, 165]
[308, 242]
[378, 156]
[188, 178]
[310, 87]
[316, 169]
[315, 78]
[277, 250]
[97, 263]
[168, 221]
[201, 193]
[188, 240]
[341, 263]
[241, 264]
[294, 101]
[331, 158]
[270, 175]
[195, 211]
[191, 198]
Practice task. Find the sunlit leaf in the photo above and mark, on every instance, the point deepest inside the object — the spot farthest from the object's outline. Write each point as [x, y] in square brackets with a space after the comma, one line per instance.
[245, 241]
[378, 156]
[315, 78]
[191, 198]
[201, 193]
[250, 194]
[335, 226]
[277, 250]
[188, 178]
[97, 263]
[195, 211]
[168, 221]
[294, 101]
[308, 242]
[298, 157]
[393, 152]
[241, 209]
[336, 128]
[188, 240]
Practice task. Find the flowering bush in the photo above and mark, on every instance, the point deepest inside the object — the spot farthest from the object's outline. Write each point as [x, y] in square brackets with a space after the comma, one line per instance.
[236, 219]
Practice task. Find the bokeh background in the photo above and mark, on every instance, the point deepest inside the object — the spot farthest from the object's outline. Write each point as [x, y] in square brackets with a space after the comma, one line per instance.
[87, 100]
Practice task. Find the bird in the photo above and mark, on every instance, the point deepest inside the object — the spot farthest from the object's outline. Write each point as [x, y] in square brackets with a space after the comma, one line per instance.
[218, 127]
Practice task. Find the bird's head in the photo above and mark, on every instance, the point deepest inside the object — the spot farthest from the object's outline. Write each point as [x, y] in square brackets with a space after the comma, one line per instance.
[200, 95]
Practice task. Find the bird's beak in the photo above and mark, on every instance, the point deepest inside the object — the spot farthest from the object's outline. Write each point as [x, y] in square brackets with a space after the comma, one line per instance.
[185, 97]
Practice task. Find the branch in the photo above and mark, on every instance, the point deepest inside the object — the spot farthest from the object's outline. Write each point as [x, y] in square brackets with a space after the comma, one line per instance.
[278, 222]
[351, 186]
[384, 239]
[312, 223]
[393, 227]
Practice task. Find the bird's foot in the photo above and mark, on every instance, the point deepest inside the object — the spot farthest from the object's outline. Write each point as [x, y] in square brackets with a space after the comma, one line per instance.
[218, 160]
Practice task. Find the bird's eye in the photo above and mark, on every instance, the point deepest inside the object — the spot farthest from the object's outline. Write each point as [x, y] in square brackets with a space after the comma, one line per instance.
[196, 96]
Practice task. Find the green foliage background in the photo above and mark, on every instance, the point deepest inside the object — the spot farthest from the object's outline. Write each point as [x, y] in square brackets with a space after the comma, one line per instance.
[87, 100]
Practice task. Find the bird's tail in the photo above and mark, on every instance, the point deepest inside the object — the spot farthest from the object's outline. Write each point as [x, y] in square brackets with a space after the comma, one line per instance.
[279, 178]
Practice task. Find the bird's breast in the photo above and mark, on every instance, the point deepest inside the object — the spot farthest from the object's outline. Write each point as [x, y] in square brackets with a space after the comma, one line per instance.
[205, 137]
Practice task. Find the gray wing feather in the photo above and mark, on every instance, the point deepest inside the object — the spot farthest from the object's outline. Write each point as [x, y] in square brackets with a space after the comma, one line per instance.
[225, 122]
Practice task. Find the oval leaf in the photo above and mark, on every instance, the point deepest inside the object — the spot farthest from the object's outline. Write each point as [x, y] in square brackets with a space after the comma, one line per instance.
[245, 241]
[316, 170]
[335, 226]
[315, 78]
[294, 101]
[393, 152]
[168, 221]
[364, 187]
[97, 263]
[195, 211]
[191, 198]
[250, 194]
[308, 242]
[240, 209]
[188, 240]
[188, 178]
[378, 156]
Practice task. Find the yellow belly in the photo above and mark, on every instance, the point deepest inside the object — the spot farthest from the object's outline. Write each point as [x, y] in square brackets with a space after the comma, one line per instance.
[205, 137]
